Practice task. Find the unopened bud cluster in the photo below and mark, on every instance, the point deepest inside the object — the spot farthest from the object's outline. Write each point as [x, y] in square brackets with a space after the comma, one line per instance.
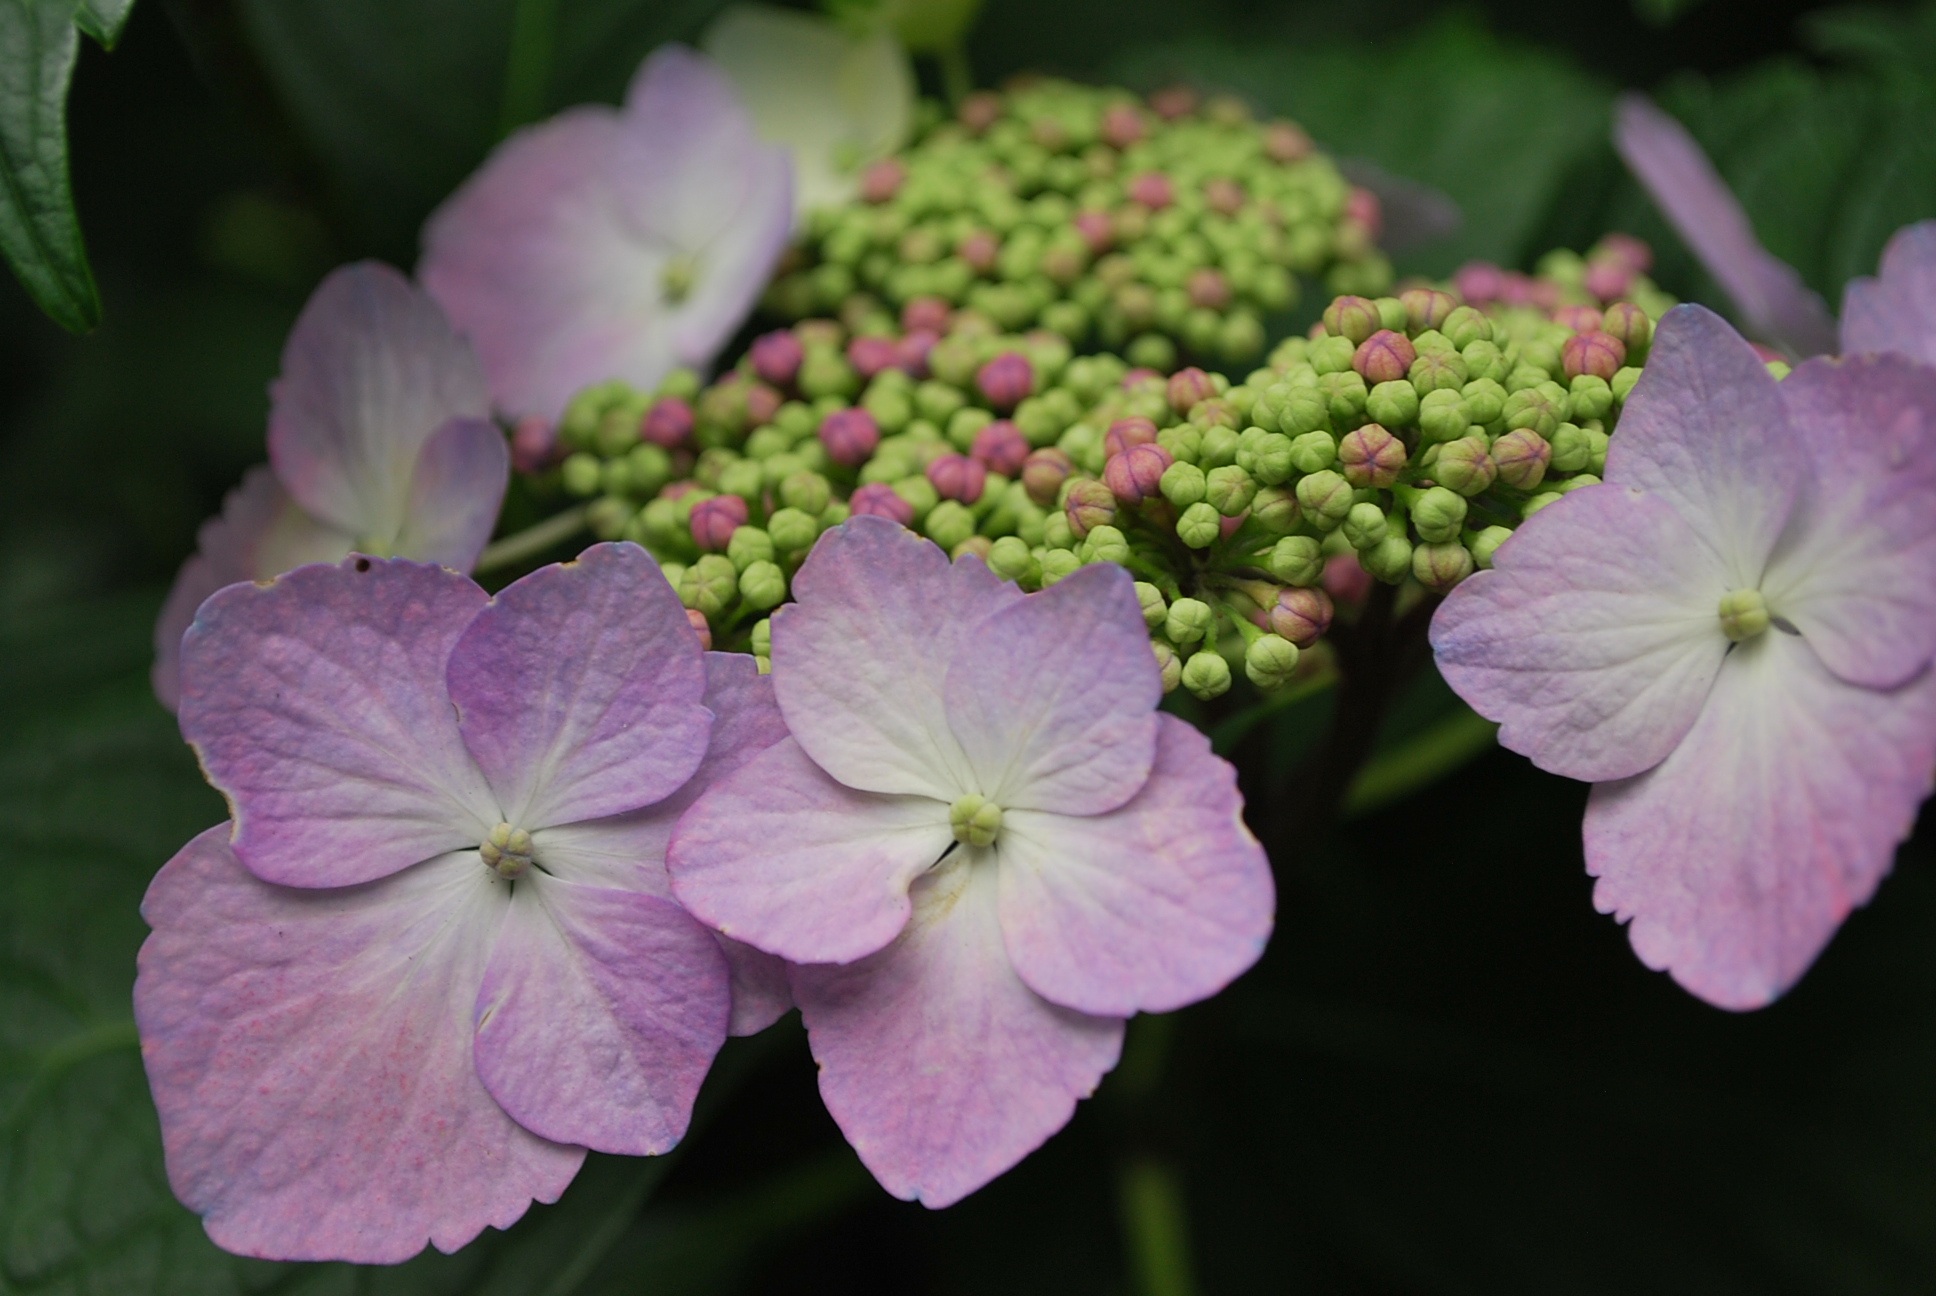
[1143, 226]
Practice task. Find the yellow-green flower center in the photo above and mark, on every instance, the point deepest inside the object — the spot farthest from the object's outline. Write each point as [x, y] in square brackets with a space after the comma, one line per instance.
[1744, 614]
[677, 279]
[976, 820]
[507, 851]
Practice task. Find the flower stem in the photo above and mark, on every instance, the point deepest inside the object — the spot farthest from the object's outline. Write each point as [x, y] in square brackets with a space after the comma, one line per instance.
[1155, 1228]
[957, 78]
[520, 545]
[527, 74]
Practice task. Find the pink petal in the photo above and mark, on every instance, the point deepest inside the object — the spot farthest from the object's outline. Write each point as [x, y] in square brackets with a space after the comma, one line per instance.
[552, 258]
[599, 1015]
[259, 533]
[939, 1065]
[1856, 573]
[1770, 295]
[1739, 856]
[370, 372]
[310, 1055]
[782, 857]
[456, 490]
[1157, 904]
[578, 689]
[1897, 310]
[1705, 430]
[1054, 699]
[860, 661]
[1595, 637]
[318, 708]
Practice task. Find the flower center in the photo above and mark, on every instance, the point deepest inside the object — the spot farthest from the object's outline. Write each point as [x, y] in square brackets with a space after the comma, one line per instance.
[677, 279]
[507, 851]
[976, 820]
[1744, 614]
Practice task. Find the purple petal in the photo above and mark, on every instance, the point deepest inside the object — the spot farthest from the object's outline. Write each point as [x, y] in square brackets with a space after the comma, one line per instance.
[1897, 311]
[455, 493]
[318, 708]
[599, 1015]
[939, 1065]
[784, 858]
[1157, 904]
[259, 533]
[1856, 573]
[370, 372]
[310, 1055]
[578, 689]
[1594, 638]
[860, 661]
[1705, 430]
[1740, 854]
[1772, 299]
[1054, 700]
[553, 257]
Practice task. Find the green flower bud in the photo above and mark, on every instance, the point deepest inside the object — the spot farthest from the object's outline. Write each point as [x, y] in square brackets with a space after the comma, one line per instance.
[1438, 567]
[825, 372]
[1168, 665]
[1596, 440]
[1592, 397]
[1579, 482]
[582, 473]
[1301, 410]
[1329, 355]
[1485, 360]
[1537, 408]
[1270, 661]
[1206, 675]
[1057, 563]
[1487, 543]
[1344, 396]
[792, 530]
[1218, 449]
[964, 423]
[1313, 452]
[808, 492]
[1150, 599]
[1538, 502]
[709, 585]
[949, 523]
[1188, 621]
[938, 402]
[834, 514]
[1229, 490]
[607, 516]
[748, 545]
[1108, 544]
[1464, 326]
[1485, 401]
[1521, 457]
[1010, 559]
[1525, 376]
[744, 479]
[762, 585]
[1465, 465]
[649, 467]
[1438, 514]
[1442, 416]
[1394, 404]
[1183, 484]
[1296, 560]
[1571, 450]
[661, 530]
[1184, 442]
[1623, 383]
[762, 637]
[1390, 560]
[920, 494]
[1364, 526]
[1325, 498]
[1199, 526]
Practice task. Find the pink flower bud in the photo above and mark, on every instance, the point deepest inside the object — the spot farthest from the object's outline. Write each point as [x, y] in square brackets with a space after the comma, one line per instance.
[850, 435]
[1352, 317]
[1122, 125]
[1625, 250]
[1135, 474]
[1097, 230]
[878, 499]
[926, 315]
[1345, 579]
[679, 489]
[533, 442]
[1362, 206]
[668, 423]
[1002, 447]
[1126, 432]
[1370, 456]
[1007, 380]
[1152, 189]
[714, 521]
[1173, 102]
[1426, 308]
[702, 628]
[1187, 387]
[911, 352]
[1135, 377]
[882, 180]
[958, 477]
[1208, 287]
[777, 356]
[1089, 504]
[1286, 141]
[1608, 280]
[1596, 353]
[762, 403]
[979, 111]
[1581, 319]
[1629, 323]
[1227, 527]
[1480, 282]
[1522, 456]
[1043, 473]
[980, 250]
[870, 355]
[1301, 614]
[1383, 357]
[1223, 196]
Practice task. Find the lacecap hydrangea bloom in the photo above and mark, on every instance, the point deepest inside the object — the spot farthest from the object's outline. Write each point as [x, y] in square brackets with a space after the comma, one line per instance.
[1731, 639]
[982, 848]
[613, 243]
[380, 442]
[433, 957]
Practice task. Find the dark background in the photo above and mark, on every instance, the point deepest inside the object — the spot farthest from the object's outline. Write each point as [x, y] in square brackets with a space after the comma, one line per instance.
[1449, 1074]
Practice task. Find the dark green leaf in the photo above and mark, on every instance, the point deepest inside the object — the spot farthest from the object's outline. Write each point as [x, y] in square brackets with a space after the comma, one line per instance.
[39, 231]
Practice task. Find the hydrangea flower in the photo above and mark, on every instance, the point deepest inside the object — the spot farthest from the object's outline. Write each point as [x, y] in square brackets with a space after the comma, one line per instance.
[379, 442]
[1896, 311]
[836, 100]
[1731, 639]
[613, 242]
[982, 846]
[433, 958]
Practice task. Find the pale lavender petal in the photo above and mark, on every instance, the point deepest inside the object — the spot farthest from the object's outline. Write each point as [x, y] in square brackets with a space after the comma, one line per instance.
[599, 1015]
[1054, 699]
[860, 661]
[1595, 637]
[1897, 310]
[762, 993]
[939, 1065]
[1157, 904]
[1856, 573]
[455, 492]
[578, 689]
[310, 1055]
[1706, 431]
[603, 245]
[259, 533]
[784, 858]
[1739, 856]
[369, 373]
[317, 706]
[1772, 299]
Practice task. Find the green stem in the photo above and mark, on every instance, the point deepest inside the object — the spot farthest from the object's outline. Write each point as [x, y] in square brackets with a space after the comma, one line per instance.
[533, 540]
[1156, 1229]
[527, 73]
[957, 78]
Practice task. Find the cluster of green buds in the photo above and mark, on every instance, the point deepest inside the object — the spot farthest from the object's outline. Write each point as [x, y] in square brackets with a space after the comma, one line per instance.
[1141, 226]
